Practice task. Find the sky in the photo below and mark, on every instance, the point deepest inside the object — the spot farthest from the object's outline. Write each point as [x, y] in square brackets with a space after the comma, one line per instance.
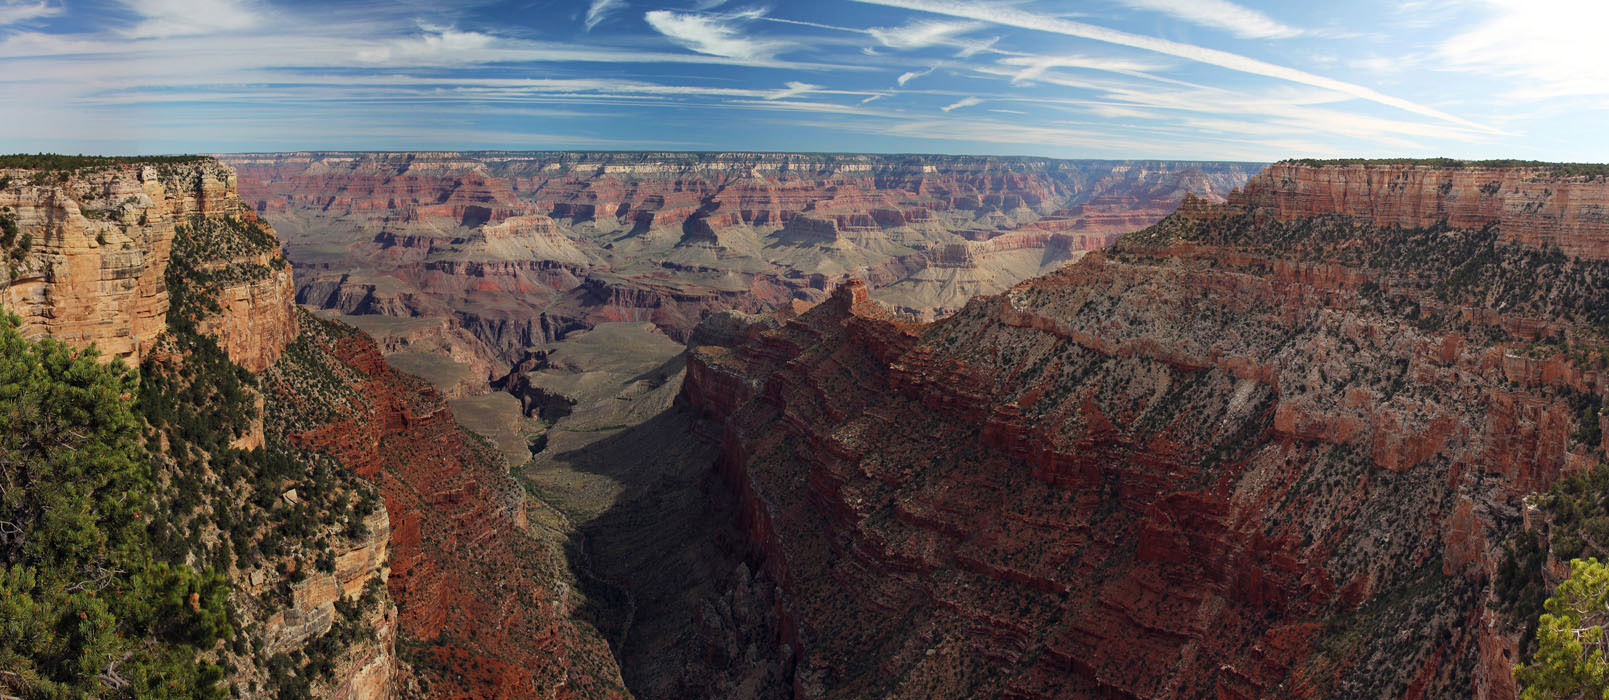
[1250, 80]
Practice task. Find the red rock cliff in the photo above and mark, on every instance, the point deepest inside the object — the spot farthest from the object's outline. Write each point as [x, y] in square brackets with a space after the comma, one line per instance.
[1246, 453]
[1536, 206]
[485, 609]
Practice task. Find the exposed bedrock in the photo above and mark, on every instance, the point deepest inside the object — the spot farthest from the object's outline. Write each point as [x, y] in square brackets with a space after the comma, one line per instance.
[523, 248]
[1249, 452]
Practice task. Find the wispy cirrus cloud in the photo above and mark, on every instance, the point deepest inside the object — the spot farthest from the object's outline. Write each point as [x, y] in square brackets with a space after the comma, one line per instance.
[961, 103]
[794, 89]
[921, 34]
[1036, 66]
[1013, 17]
[169, 18]
[1236, 19]
[14, 11]
[599, 10]
[912, 75]
[714, 34]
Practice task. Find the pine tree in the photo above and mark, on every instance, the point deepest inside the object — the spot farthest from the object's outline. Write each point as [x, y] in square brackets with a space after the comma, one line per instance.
[85, 608]
[1572, 655]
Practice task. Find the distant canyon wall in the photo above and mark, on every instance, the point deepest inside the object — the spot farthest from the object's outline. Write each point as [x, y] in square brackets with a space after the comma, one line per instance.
[1534, 205]
[516, 249]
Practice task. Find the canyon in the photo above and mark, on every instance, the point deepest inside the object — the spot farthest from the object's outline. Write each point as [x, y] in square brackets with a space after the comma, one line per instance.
[580, 425]
[510, 251]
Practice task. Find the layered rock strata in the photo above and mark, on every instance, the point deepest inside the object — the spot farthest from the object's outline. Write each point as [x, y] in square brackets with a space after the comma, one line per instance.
[485, 609]
[99, 247]
[516, 250]
[1274, 448]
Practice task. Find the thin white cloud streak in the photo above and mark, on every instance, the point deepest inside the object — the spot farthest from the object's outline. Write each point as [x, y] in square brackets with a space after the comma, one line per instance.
[1239, 20]
[715, 35]
[912, 75]
[12, 12]
[961, 103]
[342, 47]
[1013, 17]
[1036, 66]
[1291, 111]
[921, 34]
[599, 10]
[972, 48]
[794, 89]
[907, 36]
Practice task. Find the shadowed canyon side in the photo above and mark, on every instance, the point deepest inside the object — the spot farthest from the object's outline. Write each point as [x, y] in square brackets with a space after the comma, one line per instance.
[1274, 448]
[288, 457]
[502, 251]
[485, 609]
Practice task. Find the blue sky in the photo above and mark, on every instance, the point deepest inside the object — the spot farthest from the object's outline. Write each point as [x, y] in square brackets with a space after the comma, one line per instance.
[1207, 79]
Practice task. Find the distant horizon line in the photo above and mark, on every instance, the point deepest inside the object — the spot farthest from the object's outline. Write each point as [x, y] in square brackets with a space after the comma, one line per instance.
[737, 151]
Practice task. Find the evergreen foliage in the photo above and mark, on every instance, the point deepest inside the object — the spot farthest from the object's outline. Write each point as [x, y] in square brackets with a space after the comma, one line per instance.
[86, 609]
[59, 162]
[1572, 656]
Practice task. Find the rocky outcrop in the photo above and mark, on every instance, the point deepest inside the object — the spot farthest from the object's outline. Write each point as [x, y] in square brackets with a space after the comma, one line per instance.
[1264, 449]
[99, 252]
[100, 245]
[258, 316]
[1539, 206]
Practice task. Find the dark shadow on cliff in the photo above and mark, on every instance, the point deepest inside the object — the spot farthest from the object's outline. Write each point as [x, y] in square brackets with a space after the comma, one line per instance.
[663, 570]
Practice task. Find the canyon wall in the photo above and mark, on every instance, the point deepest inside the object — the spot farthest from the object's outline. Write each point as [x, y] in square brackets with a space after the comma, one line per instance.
[486, 610]
[99, 244]
[513, 250]
[1539, 206]
[1274, 448]
[99, 256]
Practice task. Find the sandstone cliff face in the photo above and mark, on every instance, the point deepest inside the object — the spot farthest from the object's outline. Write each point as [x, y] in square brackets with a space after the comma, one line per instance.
[514, 250]
[101, 240]
[104, 247]
[258, 316]
[1268, 449]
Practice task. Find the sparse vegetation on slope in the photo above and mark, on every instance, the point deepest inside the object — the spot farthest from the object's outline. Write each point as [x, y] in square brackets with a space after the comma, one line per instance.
[1553, 169]
[59, 162]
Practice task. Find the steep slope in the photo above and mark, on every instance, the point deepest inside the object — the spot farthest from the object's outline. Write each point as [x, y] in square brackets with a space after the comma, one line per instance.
[158, 263]
[318, 484]
[486, 610]
[1272, 448]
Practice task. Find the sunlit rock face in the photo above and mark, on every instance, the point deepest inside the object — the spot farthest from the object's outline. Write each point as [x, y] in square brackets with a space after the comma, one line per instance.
[100, 246]
[514, 250]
